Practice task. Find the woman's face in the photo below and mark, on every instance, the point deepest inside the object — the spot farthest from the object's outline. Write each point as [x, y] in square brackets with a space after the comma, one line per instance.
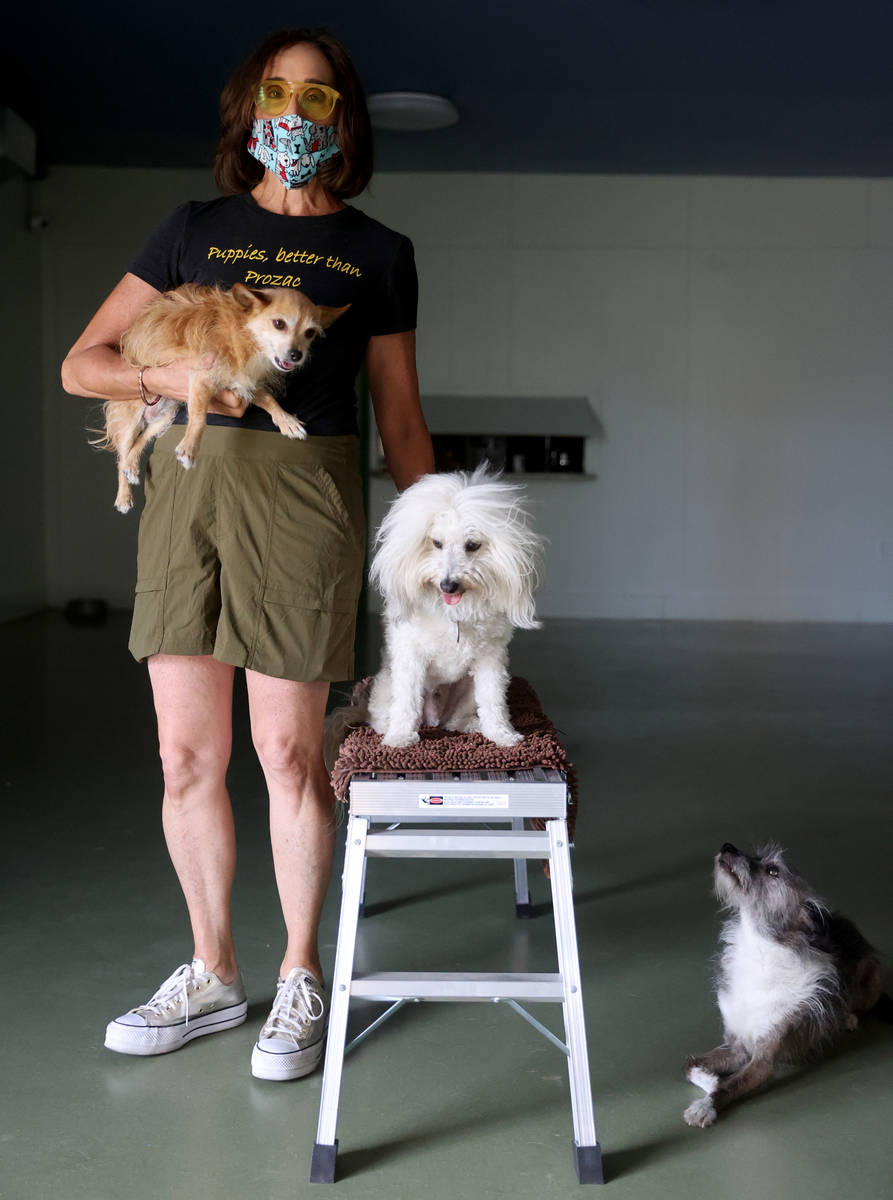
[301, 63]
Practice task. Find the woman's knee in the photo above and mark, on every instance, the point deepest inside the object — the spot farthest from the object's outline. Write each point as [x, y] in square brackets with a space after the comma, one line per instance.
[288, 757]
[186, 765]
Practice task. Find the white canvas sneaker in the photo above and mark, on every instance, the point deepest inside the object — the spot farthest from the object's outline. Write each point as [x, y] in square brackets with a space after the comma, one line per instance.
[291, 1042]
[191, 1003]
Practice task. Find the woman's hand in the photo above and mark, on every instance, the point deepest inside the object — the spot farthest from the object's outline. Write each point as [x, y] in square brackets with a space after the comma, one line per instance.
[228, 404]
[173, 381]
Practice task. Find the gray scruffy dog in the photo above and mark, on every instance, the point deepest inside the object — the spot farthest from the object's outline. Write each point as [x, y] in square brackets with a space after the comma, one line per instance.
[792, 977]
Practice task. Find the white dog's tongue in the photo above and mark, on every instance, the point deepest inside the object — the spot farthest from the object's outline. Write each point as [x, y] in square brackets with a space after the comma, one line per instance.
[452, 597]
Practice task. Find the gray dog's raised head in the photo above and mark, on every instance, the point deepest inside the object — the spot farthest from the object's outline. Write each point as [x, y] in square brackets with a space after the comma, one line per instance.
[764, 886]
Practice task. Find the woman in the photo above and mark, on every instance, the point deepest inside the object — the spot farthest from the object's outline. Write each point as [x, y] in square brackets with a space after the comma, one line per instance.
[253, 558]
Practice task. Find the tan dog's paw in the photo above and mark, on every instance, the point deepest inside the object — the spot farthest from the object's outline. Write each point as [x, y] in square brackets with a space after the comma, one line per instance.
[291, 427]
[701, 1113]
[124, 498]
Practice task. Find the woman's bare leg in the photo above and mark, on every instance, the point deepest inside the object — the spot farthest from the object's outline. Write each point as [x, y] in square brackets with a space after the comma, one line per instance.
[193, 702]
[287, 728]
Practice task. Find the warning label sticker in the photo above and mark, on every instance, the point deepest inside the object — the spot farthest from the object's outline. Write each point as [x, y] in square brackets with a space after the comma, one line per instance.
[463, 800]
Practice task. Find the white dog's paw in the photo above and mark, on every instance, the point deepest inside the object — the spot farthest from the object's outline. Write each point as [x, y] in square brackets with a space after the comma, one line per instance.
[400, 738]
[702, 1078]
[503, 736]
[464, 725]
[852, 1022]
[701, 1113]
[291, 427]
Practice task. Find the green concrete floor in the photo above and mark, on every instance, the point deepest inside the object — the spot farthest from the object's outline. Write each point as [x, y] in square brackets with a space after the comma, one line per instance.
[685, 736]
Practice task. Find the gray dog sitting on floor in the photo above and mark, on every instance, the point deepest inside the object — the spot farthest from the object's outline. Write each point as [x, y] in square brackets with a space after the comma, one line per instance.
[792, 977]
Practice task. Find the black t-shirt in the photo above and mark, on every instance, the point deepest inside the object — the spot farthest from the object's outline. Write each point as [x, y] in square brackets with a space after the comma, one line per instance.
[342, 258]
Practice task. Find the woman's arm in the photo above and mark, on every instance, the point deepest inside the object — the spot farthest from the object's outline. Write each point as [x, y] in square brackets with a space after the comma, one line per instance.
[394, 384]
[94, 367]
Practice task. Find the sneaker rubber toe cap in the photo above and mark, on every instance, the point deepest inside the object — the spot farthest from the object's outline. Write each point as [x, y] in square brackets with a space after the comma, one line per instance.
[134, 1019]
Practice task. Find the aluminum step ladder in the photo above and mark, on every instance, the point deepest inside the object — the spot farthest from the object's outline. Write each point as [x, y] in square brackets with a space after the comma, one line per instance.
[455, 811]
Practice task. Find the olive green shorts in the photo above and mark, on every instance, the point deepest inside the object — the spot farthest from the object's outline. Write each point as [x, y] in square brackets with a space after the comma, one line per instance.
[254, 555]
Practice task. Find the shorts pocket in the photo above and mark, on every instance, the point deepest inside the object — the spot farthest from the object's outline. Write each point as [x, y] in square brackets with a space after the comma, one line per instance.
[297, 641]
[147, 625]
[154, 545]
[335, 500]
[315, 558]
[305, 597]
[154, 583]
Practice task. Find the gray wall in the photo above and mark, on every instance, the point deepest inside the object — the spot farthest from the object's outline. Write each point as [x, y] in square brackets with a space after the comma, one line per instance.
[733, 335]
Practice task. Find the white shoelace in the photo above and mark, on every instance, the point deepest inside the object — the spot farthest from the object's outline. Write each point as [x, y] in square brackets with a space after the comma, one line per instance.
[294, 1009]
[174, 989]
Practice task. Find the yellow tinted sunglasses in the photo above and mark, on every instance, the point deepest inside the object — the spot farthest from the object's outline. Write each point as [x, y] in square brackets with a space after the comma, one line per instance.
[315, 100]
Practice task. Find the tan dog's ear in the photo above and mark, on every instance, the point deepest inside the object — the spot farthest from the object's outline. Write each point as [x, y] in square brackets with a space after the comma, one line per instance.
[326, 316]
[247, 297]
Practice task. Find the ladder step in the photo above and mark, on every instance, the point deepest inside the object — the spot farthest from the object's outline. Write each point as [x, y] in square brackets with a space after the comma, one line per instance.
[434, 985]
[458, 843]
[459, 796]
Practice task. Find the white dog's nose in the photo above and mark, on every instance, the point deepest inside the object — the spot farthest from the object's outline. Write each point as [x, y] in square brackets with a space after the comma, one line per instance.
[449, 586]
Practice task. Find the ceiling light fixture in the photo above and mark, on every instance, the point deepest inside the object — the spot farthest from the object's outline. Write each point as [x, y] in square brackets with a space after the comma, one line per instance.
[411, 112]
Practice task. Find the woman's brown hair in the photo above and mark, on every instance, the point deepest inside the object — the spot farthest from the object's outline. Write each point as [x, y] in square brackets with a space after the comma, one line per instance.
[345, 174]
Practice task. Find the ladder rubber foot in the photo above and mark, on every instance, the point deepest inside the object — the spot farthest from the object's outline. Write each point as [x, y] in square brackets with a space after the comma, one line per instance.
[322, 1164]
[524, 912]
[588, 1161]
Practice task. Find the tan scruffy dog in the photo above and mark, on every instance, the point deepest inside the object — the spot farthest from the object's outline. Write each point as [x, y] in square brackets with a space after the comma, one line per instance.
[254, 336]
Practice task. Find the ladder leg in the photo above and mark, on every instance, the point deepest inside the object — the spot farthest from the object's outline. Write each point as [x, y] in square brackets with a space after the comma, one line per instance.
[522, 892]
[322, 1166]
[587, 1153]
[361, 907]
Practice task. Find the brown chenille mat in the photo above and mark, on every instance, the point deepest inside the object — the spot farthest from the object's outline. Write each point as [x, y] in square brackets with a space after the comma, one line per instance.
[445, 750]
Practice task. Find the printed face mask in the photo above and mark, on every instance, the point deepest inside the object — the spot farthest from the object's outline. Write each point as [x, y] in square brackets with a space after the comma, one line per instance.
[291, 147]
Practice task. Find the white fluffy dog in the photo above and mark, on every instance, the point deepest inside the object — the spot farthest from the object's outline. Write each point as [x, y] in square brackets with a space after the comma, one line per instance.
[457, 565]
